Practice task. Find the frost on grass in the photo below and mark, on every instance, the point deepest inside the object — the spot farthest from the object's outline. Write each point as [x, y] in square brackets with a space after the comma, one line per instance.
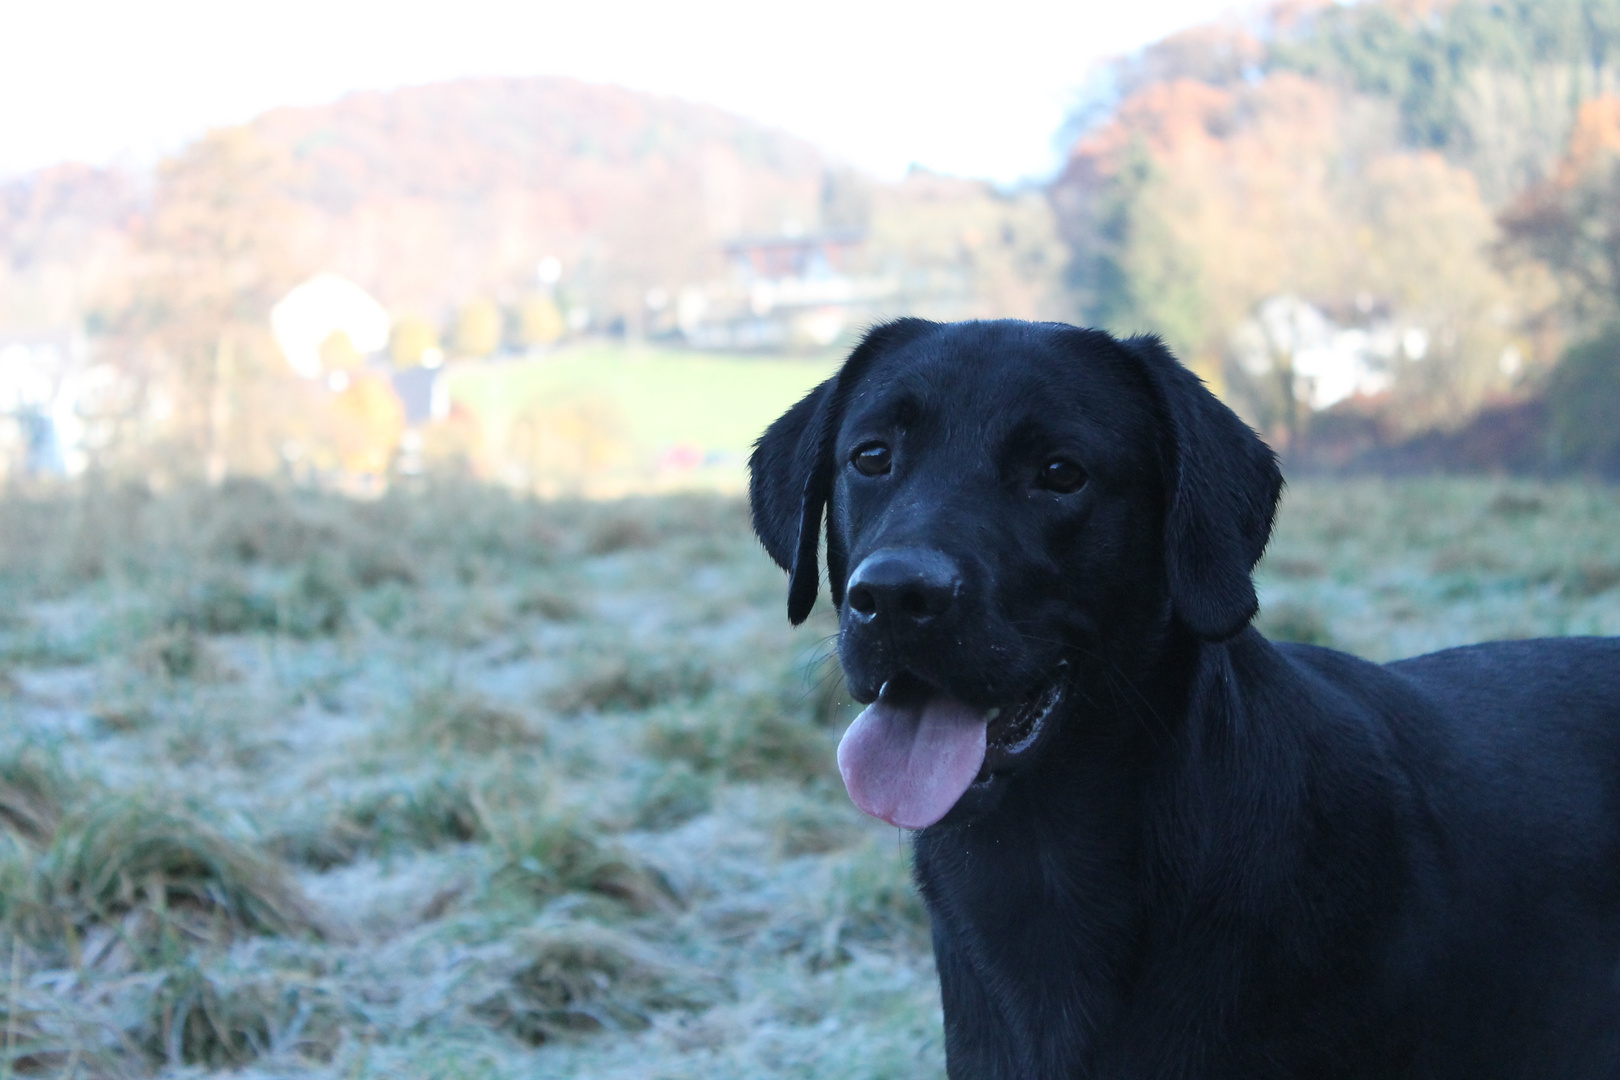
[581, 978]
[455, 784]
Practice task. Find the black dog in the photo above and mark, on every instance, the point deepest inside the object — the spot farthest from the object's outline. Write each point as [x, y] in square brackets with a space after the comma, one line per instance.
[1152, 843]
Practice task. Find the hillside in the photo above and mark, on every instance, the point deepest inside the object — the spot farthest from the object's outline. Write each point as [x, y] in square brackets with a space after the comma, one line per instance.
[63, 230]
[427, 195]
[430, 194]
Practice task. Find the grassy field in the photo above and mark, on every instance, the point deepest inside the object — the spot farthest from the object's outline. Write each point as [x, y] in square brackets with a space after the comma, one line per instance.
[452, 784]
[610, 420]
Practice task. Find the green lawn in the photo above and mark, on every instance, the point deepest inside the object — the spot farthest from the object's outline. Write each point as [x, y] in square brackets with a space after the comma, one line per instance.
[608, 420]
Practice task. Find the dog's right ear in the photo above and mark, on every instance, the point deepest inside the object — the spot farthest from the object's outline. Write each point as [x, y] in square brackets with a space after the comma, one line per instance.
[784, 481]
[791, 470]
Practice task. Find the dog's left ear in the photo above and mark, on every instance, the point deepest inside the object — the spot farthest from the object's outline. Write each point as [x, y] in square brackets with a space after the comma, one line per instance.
[791, 470]
[1222, 485]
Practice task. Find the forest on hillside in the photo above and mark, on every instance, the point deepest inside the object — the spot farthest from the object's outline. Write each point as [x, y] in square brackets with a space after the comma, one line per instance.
[1427, 190]
[1395, 219]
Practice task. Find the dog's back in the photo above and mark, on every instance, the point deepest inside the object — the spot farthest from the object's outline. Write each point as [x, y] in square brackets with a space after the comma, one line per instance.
[1509, 943]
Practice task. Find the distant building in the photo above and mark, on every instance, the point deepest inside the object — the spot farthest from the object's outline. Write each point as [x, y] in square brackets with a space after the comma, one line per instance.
[312, 313]
[788, 290]
[57, 408]
[1327, 362]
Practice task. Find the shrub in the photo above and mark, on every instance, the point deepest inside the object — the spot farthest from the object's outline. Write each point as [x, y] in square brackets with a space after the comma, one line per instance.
[1583, 399]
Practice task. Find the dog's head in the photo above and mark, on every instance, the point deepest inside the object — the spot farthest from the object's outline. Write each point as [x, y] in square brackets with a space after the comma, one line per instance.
[1013, 510]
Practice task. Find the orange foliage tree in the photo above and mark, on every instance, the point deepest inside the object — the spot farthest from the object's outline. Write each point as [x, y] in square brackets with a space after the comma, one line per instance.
[1197, 203]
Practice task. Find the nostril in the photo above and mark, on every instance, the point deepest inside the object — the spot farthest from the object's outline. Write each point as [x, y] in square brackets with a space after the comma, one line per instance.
[862, 600]
[914, 603]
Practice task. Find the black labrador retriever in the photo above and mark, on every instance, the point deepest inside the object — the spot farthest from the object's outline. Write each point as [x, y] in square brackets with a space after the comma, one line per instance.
[1151, 842]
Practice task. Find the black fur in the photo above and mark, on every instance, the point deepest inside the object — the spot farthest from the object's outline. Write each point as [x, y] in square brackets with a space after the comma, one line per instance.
[797, 445]
[1225, 858]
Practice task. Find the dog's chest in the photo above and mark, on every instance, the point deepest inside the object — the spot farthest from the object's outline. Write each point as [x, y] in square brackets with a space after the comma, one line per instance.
[1031, 942]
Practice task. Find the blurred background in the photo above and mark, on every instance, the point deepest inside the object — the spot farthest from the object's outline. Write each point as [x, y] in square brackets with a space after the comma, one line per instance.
[390, 682]
[281, 241]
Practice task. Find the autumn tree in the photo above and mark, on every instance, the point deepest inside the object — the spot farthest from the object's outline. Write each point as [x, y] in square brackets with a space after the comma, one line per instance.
[540, 321]
[1571, 222]
[219, 245]
[409, 340]
[1491, 85]
[1197, 204]
[478, 328]
[1571, 225]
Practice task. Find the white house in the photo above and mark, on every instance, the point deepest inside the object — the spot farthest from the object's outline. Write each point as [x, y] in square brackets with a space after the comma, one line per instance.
[324, 305]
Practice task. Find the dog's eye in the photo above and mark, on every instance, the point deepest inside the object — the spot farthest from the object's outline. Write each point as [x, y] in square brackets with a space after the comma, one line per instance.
[1062, 476]
[871, 459]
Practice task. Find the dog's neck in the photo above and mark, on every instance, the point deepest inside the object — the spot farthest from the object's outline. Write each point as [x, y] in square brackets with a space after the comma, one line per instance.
[995, 884]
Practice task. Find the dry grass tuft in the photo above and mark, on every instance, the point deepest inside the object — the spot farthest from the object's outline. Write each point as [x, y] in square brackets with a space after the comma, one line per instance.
[749, 739]
[616, 533]
[148, 875]
[225, 601]
[43, 1035]
[443, 719]
[549, 856]
[419, 812]
[815, 827]
[550, 605]
[582, 978]
[631, 683]
[181, 653]
[193, 1019]
[33, 794]
[1294, 622]
[673, 796]
[1590, 579]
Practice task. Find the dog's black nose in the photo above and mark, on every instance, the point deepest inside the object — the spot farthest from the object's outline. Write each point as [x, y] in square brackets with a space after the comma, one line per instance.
[903, 585]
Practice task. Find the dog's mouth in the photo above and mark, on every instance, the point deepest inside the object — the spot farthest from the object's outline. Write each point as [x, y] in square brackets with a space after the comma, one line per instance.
[911, 755]
[1012, 733]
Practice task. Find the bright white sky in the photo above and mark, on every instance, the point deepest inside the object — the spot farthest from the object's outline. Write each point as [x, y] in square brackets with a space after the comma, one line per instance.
[977, 89]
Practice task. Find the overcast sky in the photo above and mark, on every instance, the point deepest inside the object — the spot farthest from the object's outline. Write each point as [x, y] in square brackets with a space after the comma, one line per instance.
[977, 89]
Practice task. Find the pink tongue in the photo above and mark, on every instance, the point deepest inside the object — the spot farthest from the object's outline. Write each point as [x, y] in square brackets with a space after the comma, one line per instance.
[908, 764]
